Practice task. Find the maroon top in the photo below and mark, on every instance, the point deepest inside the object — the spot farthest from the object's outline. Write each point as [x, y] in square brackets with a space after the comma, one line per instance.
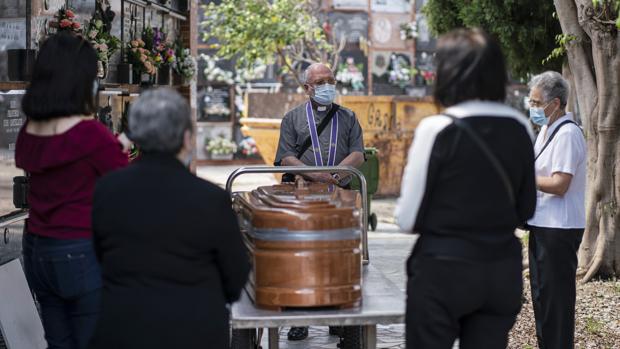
[63, 169]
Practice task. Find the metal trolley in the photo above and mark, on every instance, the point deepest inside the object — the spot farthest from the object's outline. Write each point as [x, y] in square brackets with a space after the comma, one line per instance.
[382, 301]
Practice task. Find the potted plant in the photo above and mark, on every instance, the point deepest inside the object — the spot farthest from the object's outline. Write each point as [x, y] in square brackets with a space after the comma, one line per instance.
[221, 148]
[400, 73]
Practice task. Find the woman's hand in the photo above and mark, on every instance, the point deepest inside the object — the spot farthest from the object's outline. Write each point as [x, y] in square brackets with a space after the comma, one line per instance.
[125, 142]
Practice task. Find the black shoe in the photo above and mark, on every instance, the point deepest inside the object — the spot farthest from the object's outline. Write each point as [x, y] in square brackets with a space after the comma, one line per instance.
[297, 333]
[335, 331]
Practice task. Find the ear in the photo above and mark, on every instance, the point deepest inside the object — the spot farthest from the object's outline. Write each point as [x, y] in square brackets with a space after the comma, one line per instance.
[187, 141]
[308, 89]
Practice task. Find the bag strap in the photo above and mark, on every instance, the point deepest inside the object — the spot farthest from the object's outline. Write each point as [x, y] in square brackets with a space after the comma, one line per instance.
[483, 146]
[330, 115]
[553, 135]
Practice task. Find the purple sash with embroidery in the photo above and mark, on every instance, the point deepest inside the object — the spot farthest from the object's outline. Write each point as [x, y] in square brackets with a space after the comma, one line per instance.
[316, 145]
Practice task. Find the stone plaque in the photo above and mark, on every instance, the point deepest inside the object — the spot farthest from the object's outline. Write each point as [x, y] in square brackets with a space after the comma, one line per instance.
[392, 6]
[350, 4]
[11, 121]
[352, 26]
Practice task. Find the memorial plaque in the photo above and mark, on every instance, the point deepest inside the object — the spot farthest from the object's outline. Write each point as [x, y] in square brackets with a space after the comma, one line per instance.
[392, 6]
[352, 26]
[133, 21]
[350, 4]
[386, 31]
[11, 121]
[215, 104]
[12, 8]
[85, 8]
[12, 33]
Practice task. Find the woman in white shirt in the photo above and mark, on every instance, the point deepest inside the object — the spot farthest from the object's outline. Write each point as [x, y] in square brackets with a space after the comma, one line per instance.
[557, 227]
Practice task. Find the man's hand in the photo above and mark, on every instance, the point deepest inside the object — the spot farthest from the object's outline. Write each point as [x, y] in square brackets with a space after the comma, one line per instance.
[321, 177]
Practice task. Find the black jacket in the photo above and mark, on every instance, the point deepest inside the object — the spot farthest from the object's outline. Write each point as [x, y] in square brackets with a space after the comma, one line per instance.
[172, 257]
[459, 203]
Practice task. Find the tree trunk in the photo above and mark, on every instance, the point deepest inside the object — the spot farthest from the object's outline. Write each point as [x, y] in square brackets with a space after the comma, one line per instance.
[595, 64]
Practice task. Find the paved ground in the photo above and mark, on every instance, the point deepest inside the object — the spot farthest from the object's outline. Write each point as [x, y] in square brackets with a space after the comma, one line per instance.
[388, 248]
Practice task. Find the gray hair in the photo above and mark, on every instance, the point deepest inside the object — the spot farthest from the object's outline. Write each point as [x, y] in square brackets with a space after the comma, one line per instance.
[552, 85]
[158, 120]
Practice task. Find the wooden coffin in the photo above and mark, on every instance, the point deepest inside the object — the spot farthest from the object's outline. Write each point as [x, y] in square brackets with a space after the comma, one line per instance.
[305, 245]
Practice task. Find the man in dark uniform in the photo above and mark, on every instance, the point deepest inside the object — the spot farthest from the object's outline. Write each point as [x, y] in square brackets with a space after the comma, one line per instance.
[340, 143]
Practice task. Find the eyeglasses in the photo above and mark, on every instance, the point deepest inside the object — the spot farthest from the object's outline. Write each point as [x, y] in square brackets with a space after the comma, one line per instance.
[323, 81]
[534, 103]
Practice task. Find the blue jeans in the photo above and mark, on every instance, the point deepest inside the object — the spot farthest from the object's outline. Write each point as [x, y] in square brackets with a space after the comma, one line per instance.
[66, 279]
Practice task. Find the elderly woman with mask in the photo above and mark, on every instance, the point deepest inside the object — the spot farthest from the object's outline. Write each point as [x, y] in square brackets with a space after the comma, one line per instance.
[557, 227]
[169, 245]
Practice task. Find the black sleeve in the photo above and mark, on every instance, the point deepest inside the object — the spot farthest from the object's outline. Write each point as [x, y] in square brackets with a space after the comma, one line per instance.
[232, 258]
[526, 196]
[287, 141]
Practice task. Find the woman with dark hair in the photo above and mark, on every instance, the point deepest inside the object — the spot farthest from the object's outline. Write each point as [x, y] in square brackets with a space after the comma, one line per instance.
[468, 183]
[64, 151]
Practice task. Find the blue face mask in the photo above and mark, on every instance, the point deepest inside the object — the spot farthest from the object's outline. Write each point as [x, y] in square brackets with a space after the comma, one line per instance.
[324, 94]
[538, 117]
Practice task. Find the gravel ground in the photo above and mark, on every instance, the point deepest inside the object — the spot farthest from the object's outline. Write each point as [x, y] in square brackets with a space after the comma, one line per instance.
[597, 317]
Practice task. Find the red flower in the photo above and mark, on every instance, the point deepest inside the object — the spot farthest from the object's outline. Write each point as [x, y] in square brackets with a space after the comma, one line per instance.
[69, 14]
[65, 23]
[76, 25]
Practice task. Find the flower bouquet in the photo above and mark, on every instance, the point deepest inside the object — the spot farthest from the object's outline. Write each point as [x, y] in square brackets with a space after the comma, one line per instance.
[142, 61]
[351, 74]
[213, 73]
[247, 147]
[103, 42]
[185, 65]
[65, 20]
[400, 73]
[409, 31]
[221, 148]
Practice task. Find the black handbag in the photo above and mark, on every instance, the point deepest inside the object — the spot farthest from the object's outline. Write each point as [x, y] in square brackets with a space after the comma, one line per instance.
[20, 192]
[289, 177]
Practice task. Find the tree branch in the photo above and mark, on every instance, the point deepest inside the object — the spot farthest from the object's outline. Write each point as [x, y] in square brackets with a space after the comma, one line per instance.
[578, 55]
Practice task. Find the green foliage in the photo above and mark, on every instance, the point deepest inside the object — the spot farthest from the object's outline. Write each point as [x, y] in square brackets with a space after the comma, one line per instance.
[252, 31]
[561, 40]
[526, 29]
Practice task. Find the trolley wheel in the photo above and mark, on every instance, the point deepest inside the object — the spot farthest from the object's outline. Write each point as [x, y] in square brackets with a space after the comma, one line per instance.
[244, 339]
[351, 337]
[372, 220]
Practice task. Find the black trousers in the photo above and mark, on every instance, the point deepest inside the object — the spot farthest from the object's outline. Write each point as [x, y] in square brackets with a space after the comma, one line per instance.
[477, 302]
[553, 265]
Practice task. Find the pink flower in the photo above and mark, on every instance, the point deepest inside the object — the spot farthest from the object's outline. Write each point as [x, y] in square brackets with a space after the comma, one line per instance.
[69, 14]
[143, 58]
[65, 23]
[93, 34]
[134, 43]
[76, 25]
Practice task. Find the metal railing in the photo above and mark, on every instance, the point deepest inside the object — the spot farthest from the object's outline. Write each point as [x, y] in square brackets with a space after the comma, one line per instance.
[308, 169]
